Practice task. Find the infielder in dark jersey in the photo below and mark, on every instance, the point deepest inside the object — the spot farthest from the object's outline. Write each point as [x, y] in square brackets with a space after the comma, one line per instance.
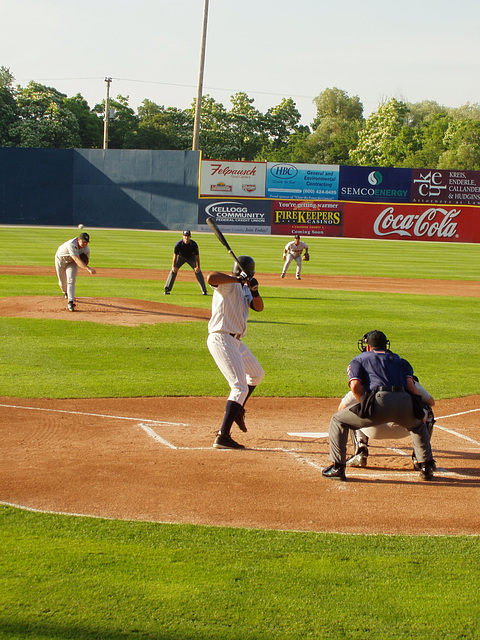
[185, 251]
[384, 387]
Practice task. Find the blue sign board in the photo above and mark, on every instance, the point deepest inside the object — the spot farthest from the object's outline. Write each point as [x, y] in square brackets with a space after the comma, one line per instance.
[374, 184]
[236, 216]
[302, 181]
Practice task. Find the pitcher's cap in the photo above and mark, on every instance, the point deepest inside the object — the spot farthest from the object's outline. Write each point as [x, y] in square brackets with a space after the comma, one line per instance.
[84, 236]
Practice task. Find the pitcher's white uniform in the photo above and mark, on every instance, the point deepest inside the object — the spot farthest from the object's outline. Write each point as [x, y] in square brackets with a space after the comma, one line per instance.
[228, 324]
[293, 251]
[66, 267]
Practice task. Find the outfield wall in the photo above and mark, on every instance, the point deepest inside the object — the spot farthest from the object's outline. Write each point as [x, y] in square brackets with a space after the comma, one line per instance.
[172, 190]
[113, 188]
[340, 201]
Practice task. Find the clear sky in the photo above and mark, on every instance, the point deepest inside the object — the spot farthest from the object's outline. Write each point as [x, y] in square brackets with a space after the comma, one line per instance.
[412, 50]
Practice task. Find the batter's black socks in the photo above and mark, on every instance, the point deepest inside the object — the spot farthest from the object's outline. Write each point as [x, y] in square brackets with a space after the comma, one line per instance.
[231, 411]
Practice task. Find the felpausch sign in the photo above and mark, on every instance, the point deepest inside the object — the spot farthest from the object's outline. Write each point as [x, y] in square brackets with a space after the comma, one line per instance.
[222, 179]
[413, 222]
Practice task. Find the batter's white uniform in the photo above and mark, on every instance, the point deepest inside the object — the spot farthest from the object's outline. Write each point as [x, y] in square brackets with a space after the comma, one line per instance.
[294, 252]
[66, 267]
[386, 431]
[228, 324]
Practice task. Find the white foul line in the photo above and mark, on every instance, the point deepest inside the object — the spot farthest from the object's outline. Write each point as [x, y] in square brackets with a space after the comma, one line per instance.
[96, 415]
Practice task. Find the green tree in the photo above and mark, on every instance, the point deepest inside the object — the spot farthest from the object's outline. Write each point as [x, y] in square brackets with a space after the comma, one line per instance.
[90, 125]
[336, 128]
[8, 107]
[462, 140]
[161, 128]
[246, 127]
[429, 122]
[44, 121]
[283, 133]
[122, 127]
[385, 139]
[336, 103]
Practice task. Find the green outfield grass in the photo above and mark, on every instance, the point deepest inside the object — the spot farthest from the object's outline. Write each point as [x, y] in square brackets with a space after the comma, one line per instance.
[65, 577]
[439, 335]
[332, 256]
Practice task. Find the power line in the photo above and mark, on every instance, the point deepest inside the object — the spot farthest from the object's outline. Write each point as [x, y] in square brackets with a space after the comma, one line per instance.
[169, 84]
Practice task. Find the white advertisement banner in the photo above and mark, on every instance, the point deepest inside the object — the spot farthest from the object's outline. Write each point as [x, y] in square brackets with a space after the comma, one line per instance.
[220, 179]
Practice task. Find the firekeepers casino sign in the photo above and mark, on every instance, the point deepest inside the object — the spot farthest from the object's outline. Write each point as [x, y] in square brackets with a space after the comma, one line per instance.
[307, 217]
[413, 222]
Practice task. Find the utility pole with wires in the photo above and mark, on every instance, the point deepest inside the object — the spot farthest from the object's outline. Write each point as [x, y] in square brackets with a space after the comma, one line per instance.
[106, 116]
[198, 104]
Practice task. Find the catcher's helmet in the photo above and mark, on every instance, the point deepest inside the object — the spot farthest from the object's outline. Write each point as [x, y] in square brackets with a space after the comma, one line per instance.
[374, 339]
[244, 263]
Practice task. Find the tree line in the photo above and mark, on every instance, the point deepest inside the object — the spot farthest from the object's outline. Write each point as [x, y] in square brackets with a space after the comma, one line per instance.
[398, 134]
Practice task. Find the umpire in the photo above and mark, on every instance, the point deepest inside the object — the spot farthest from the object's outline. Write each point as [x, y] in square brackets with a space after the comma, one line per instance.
[185, 251]
[383, 384]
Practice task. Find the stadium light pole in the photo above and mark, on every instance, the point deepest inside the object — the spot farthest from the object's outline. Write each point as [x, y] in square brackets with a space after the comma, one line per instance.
[198, 104]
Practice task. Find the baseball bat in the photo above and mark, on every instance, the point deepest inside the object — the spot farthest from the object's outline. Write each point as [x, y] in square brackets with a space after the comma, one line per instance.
[213, 226]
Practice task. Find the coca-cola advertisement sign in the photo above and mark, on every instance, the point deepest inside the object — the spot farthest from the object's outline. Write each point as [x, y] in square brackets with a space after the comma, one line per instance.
[413, 222]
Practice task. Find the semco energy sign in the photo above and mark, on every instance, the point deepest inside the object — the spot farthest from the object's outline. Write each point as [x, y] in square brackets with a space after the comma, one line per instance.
[373, 184]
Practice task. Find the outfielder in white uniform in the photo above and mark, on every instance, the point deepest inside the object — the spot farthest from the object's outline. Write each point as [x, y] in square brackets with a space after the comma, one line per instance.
[293, 251]
[234, 295]
[386, 431]
[67, 261]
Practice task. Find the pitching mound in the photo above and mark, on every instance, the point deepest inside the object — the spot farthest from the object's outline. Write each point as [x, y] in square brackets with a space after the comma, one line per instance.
[119, 311]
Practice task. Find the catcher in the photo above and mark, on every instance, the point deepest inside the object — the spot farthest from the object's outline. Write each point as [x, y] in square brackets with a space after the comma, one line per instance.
[293, 251]
[69, 257]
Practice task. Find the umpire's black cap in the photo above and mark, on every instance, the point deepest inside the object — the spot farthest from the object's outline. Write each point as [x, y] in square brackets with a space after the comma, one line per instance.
[187, 233]
[377, 339]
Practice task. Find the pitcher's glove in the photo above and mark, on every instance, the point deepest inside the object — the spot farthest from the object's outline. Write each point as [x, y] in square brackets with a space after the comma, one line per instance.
[306, 257]
[83, 257]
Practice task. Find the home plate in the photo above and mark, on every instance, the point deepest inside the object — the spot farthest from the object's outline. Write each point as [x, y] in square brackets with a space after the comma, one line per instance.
[309, 434]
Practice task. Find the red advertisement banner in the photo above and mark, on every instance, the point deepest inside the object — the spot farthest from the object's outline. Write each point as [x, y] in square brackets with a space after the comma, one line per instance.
[439, 223]
[307, 218]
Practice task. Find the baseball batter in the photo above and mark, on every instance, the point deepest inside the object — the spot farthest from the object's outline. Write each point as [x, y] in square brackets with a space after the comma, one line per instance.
[69, 257]
[233, 296]
[293, 251]
[383, 385]
[185, 251]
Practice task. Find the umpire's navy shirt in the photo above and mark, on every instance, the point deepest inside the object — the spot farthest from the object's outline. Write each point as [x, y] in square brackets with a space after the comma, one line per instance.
[379, 369]
[186, 249]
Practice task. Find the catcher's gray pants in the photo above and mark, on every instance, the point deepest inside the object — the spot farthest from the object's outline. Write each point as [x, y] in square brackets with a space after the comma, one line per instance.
[298, 260]
[387, 407]
[179, 262]
[67, 276]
